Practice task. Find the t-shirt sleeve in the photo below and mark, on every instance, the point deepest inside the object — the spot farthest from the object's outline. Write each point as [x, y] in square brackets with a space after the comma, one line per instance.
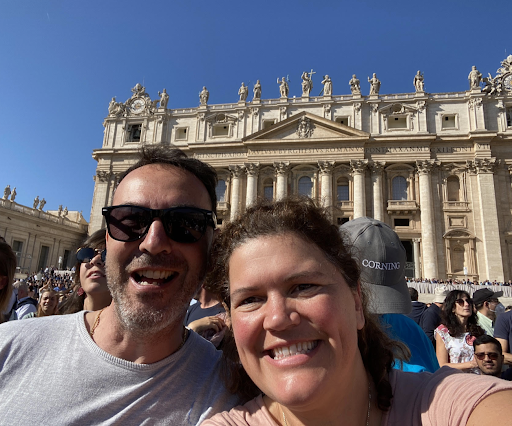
[447, 397]
[254, 413]
[502, 327]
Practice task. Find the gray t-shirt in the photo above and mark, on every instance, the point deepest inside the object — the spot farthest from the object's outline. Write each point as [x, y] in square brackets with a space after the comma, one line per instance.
[52, 373]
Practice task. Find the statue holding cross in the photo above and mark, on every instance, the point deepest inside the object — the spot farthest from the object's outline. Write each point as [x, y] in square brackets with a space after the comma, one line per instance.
[307, 82]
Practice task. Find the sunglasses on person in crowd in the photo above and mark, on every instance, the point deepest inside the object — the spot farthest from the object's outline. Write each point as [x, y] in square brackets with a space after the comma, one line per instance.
[461, 302]
[182, 224]
[492, 355]
[86, 254]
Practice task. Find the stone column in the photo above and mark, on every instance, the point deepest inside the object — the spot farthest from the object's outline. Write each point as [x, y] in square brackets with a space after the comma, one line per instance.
[102, 189]
[358, 171]
[236, 172]
[378, 205]
[416, 253]
[282, 181]
[252, 170]
[428, 237]
[491, 241]
[326, 168]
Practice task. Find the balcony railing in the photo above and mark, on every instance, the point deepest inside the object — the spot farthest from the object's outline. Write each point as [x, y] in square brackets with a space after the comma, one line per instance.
[402, 206]
[459, 206]
[345, 205]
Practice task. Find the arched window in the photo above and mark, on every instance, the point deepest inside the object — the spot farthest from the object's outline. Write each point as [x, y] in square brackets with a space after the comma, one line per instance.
[268, 189]
[220, 191]
[305, 186]
[399, 184]
[342, 192]
[453, 188]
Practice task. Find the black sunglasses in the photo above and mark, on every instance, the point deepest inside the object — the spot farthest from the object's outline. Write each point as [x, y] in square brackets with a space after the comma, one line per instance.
[86, 254]
[182, 224]
[492, 355]
[461, 302]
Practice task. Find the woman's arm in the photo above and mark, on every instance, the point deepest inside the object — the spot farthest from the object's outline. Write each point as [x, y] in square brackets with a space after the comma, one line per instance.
[443, 358]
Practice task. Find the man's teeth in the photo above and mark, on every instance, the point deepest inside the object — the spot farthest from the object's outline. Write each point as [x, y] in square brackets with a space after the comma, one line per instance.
[295, 349]
[151, 274]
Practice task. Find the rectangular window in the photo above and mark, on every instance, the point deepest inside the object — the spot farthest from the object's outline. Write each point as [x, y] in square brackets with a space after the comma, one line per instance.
[343, 194]
[268, 123]
[343, 120]
[134, 132]
[17, 248]
[43, 258]
[509, 117]
[221, 130]
[181, 133]
[397, 122]
[268, 192]
[401, 222]
[448, 122]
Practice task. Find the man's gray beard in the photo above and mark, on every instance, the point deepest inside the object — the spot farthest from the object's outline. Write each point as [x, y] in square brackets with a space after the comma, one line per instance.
[144, 320]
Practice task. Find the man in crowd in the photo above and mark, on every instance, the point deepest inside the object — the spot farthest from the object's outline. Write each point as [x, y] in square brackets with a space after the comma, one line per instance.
[26, 305]
[503, 333]
[133, 362]
[485, 302]
[382, 259]
[489, 357]
[417, 307]
[431, 318]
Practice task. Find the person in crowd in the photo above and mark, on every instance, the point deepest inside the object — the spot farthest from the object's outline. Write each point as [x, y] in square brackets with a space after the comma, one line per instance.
[417, 307]
[508, 308]
[206, 317]
[374, 244]
[503, 333]
[7, 270]
[303, 336]
[487, 305]
[25, 305]
[489, 357]
[92, 293]
[48, 304]
[459, 328]
[431, 318]
[132, 362]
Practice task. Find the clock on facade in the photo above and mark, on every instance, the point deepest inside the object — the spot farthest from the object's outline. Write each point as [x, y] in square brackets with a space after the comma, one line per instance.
[137, 106]
[507, 82]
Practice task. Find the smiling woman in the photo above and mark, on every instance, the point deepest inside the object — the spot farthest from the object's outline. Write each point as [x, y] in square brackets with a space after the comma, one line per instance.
[305, 339]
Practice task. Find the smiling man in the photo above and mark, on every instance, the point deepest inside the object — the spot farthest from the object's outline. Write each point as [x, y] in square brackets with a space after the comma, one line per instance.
[133, 361]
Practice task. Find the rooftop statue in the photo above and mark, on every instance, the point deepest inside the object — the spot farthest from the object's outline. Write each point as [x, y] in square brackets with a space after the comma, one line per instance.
[164, 98]
[374, 84]
[307, 82]
[475, 78]
[139, 91]
[43, 203]
[59, 211]
[327, 82]
[243, 92]
[257, 90]
[283, 87]
[419, 84]
[7, 192]
[203, 96]
[36, 202]
[355, 86]
[65, 212]
[13, 194]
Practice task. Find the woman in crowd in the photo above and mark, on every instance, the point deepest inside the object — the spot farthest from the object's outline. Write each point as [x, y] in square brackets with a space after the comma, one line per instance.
[306, 341]
[7, 270]
[48, 304]
[91, 292]
[458, 329]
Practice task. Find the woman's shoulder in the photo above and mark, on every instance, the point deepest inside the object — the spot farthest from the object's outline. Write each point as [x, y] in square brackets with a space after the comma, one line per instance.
[442, 330]
[253, 413]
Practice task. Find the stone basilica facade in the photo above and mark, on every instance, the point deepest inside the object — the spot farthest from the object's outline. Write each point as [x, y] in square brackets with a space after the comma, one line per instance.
[436, 167]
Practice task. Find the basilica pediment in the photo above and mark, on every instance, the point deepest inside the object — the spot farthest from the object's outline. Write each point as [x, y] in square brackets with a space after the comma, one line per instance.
[306, 127]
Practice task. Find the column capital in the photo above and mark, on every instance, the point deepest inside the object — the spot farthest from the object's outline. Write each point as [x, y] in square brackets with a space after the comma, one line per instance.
[326, 167]
[482, 165]
[236, 170]
[376, 166]
[416, 240]
[103, 176]
[252, 169]
[282, 167]
[358, 166]
[426, 166]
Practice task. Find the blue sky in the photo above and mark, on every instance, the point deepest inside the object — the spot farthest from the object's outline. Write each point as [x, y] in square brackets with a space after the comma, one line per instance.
[62, 61]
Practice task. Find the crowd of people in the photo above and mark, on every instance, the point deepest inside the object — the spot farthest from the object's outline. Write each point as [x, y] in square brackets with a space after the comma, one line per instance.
[454, 281]
[310, 331]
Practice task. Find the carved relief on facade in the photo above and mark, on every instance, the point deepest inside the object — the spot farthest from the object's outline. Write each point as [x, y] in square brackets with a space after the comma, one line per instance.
[326, 167]
[426, 166]
[283, 113]
[103, 175]
[252, 169]
[482, 165]
[282, 167]
[237, 171]
[475, 102]
[358, 166]
[305, 127]
[221, 124]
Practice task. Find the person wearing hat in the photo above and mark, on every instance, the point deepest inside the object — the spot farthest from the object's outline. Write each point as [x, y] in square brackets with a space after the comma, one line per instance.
[381, 257]
[431, 318]
[486, 303]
